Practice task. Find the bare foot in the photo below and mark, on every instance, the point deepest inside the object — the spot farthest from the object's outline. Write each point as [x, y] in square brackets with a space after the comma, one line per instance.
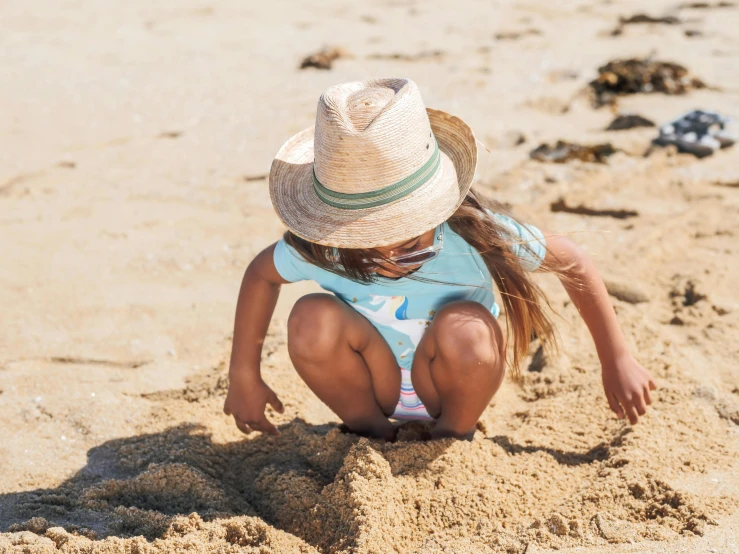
[384, 432]
[441, 432]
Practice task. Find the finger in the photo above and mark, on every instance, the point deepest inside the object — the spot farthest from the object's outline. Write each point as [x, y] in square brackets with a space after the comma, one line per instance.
[652, 385]
[615, 406]
[276, 404]
[226, 410]
[264, 426]
[243, 427]
[639, 404]
[647, 396]
[630, 411]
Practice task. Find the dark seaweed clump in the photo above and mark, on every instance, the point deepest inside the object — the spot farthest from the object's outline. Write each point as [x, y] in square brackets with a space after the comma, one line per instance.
[632, 76]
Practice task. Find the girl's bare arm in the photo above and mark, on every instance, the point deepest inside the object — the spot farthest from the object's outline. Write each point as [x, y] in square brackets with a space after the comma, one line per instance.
[626, 383]
[248, 395]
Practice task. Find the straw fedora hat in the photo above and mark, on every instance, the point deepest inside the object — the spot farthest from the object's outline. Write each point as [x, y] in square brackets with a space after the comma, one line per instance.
[378, 167]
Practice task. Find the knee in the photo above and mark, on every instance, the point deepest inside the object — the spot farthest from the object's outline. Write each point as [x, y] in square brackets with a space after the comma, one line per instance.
[467, 334]
[314, 327]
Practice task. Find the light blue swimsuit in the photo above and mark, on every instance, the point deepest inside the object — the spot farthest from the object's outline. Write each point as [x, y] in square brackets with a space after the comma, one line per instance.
[402, 309]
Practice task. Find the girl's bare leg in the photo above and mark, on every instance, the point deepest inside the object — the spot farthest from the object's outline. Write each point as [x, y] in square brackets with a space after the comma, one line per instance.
[345, 362]
[458, 367]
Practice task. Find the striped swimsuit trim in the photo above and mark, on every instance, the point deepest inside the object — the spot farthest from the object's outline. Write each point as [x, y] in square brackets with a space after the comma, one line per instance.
[416, 407]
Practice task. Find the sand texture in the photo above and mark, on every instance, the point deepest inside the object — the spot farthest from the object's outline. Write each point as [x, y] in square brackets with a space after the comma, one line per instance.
[136, 138]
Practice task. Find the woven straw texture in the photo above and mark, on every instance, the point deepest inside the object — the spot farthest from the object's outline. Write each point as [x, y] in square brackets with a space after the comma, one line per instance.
[368, 136]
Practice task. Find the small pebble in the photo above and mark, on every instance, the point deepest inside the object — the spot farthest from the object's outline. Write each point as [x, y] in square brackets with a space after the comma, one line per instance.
[706, 392]
[626, 293]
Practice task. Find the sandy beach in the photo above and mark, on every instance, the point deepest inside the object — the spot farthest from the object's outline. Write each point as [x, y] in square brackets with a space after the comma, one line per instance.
[136, 141]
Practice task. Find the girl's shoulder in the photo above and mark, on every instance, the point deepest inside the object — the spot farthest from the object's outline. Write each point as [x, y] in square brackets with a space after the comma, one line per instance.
[293, 267]
[526, 241]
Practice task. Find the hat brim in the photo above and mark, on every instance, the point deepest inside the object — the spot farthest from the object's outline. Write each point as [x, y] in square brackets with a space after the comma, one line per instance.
[307, 216]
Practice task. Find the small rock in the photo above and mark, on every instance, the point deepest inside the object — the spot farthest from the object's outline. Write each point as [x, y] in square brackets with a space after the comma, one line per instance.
[557, 525]
[324, 59]
[538, 360]
[58, 535]
[26, 538]
[511, 139]
[695, 526]
[170, 134]
[36, 525]
[723, 305]
[614, 530]
[728, 410]
[629, 121]
[626, 292]
[706, 392]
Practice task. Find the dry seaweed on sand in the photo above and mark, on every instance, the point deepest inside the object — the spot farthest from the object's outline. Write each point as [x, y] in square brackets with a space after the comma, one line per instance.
[423, 55]
[563, 152]
[257, 177]
[324, 59]
[641, 19]
[706, 5]
[562, 206]
[729, 183]
[515, 35]
[633, 76]
[623, 122]
[644, 18]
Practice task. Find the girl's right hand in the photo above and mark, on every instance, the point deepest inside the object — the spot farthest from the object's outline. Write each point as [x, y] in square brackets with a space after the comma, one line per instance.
[247, 400]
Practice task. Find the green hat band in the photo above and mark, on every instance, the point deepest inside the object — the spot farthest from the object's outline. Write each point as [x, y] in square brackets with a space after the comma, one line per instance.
[385, 195]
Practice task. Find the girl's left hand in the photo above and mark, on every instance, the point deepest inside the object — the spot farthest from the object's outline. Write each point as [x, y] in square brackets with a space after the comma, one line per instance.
[627, 385]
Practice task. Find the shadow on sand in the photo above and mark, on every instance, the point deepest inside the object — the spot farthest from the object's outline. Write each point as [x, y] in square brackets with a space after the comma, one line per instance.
[137, 485]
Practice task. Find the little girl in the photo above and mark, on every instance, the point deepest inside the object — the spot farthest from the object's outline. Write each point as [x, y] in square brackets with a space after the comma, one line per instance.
[380, 213]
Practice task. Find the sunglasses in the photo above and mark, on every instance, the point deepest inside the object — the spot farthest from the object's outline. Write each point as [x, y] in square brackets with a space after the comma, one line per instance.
[414, 258]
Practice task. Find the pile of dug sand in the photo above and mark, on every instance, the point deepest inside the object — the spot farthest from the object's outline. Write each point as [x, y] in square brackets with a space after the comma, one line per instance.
[130, 249]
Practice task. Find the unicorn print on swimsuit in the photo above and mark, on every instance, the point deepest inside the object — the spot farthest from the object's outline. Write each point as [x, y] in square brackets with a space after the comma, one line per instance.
[393, 313]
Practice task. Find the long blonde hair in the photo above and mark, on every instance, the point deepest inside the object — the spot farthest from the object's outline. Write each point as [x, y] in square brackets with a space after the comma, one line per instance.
[525, 304]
